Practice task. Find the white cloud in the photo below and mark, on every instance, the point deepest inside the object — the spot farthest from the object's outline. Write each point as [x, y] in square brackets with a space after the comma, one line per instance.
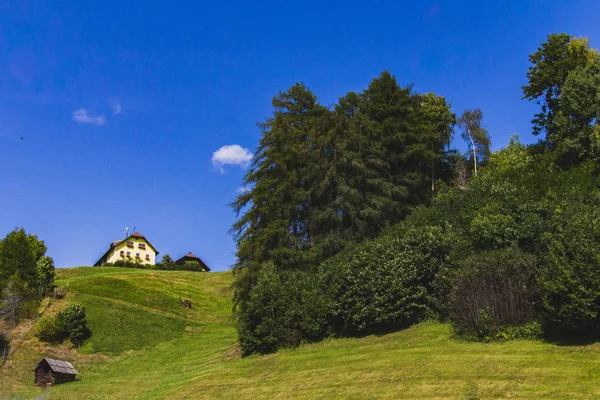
[115, 106]
[232, 154]
[81, 116]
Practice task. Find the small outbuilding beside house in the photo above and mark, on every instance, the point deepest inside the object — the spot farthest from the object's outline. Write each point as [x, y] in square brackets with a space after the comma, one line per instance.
[191, 257]
[51, 372]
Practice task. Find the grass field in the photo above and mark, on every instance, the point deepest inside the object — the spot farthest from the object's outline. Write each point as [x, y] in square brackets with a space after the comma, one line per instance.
[146, 346]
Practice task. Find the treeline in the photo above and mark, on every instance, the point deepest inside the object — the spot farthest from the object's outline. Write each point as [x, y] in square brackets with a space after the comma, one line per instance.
[325, 178]
[360, 219]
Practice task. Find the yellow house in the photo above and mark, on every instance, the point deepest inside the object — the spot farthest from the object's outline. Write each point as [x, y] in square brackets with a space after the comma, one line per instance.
[135, 248]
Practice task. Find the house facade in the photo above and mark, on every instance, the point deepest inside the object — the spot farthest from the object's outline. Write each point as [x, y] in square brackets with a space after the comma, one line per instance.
[135, 248]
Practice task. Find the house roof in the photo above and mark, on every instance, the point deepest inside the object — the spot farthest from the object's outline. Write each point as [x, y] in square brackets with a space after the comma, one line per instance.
[62, 367]
[116, 242]
[191, 257]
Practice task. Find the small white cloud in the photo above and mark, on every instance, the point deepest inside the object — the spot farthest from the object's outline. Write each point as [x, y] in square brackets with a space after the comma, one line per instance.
[81, 116]
[115, 106]
[243, 189]
[232, 154]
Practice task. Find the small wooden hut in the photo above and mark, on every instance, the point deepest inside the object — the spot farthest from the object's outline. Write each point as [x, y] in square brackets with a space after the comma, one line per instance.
[51, 372]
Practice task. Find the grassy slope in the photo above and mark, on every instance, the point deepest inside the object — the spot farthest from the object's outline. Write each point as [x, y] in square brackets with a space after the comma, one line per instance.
[156, 349]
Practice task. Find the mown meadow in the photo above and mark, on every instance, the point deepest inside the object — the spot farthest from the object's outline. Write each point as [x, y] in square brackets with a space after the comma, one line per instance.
[145, 345]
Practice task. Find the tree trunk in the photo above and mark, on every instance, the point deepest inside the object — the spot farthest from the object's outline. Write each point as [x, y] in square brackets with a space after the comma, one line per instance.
[474, 152]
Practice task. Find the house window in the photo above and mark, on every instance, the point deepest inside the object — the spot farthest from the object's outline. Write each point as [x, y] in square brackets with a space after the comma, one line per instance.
[137, 255]
[142, 245]
[129, 244]
[128, 254]
[148, 257]
[122, 253]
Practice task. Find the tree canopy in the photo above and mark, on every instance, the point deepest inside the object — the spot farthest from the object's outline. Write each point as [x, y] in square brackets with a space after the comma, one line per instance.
[564, 79]
[325, 178]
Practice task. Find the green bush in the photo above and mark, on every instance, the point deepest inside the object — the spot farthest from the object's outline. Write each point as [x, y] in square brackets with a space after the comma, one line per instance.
[48, 329]
[72, 321]
[68, 324]
[570, 279]
[129, 264]
[492, 290]
[385, 284]
[191, 266]
[530, 330]
[167, 263]
[284, 309]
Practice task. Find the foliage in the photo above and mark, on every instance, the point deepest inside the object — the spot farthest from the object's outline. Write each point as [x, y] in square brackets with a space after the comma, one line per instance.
[48, 329]
[68, 324]
[492, 290]
[72, 321]
[531, 330]
[323, 180]
[564, 79]
[21, 285]
[128, 264]
[166, 263]
[46, 274]
[385, 284]
[18, 259]
[570, 279]
[475, 135]
[284, 310]
[191, 266]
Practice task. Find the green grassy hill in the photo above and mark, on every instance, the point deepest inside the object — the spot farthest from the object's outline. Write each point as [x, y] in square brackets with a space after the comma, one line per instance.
[146, 345]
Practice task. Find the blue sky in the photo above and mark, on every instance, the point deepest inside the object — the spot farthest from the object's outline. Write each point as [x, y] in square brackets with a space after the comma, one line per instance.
[121, 105]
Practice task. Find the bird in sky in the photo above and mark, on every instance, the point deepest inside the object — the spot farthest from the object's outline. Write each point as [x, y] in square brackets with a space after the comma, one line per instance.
[22, 138]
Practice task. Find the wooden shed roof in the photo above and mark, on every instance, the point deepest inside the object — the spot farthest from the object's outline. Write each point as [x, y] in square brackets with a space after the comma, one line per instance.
[62, 367]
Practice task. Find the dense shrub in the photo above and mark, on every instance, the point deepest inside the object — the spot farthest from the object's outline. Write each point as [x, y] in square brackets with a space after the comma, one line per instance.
[284, 309]
[570, 279]
[48, 329]
[530, 330]
[191, 266]
[167, 263]
[72, 321]
[68, 324]
[128, 264]
[457, 258]
[385, 284]
[493, 290]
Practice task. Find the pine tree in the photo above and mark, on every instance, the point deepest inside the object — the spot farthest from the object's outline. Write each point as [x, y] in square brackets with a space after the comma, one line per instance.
[274, 225]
